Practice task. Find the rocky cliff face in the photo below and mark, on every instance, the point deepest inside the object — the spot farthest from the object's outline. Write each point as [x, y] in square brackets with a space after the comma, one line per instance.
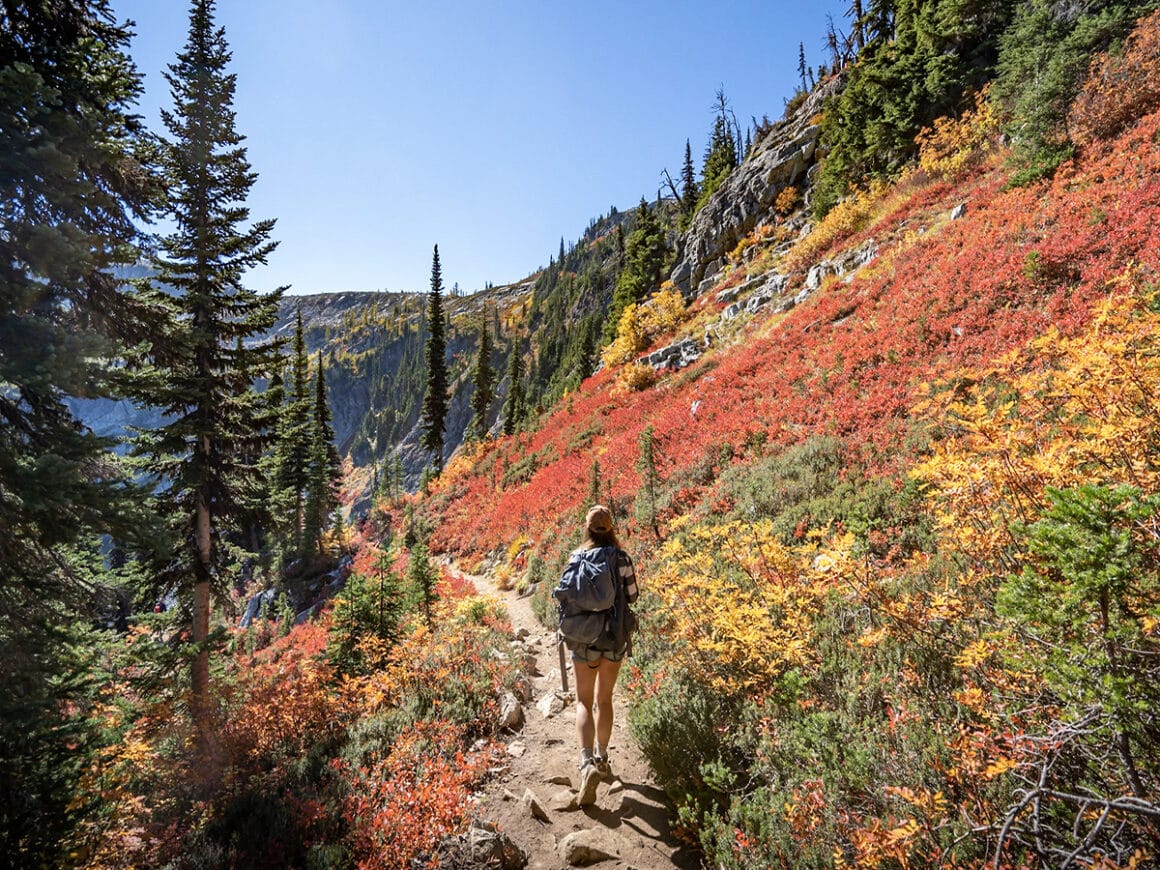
[783, 158]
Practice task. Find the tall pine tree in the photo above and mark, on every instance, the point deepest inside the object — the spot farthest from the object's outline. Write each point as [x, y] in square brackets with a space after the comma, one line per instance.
[513, 406]
[293, 448]
[325, 470]
[689, 189]
[721, 154]
[434, 414]
[483, 384]
[71, 184]
[200, 457]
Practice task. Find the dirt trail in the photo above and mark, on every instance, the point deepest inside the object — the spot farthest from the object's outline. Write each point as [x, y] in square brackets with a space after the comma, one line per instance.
[630, 822]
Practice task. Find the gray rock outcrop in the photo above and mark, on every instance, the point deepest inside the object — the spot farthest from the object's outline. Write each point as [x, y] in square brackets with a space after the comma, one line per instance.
[782, 159]
[674, 356]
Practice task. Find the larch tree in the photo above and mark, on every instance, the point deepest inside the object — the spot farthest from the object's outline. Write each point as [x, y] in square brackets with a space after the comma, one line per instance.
[434, 414]
[74, 176]
[201, 456]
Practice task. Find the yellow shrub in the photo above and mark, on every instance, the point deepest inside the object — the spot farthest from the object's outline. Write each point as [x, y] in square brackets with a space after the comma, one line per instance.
[953, 144]
[663, 313]
[641, 324]
[636, 376]
[738, 604]
[1092, 416]
[629, 338]
[843, 220]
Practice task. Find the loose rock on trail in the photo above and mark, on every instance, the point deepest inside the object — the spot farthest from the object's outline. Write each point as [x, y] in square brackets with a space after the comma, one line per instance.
[533, 802]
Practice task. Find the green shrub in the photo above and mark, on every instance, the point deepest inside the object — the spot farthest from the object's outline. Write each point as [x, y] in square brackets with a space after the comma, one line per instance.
[816, 484]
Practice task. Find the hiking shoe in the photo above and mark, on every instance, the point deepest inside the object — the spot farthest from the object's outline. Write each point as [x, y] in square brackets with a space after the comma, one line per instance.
[603, 768]
[589, 780]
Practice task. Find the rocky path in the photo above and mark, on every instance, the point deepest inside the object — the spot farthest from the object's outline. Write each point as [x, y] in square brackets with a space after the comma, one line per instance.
[533, 801]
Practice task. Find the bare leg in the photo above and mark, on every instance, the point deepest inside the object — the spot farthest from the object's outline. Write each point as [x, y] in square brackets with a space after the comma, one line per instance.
[605, 682]
[585, 691]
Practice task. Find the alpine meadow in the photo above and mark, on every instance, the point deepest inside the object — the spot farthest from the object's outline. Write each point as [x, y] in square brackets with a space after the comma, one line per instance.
[871, 392]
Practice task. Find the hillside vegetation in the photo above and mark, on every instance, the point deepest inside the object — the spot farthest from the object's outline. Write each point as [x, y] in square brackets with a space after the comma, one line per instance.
[900, 540]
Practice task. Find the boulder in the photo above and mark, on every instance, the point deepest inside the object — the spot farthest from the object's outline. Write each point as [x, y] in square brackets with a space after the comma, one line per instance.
[564, 801]
[483, 845]
[592, 846]
[263, 599]
[532, 804]
[511, 712]
[675, 356]
[552, 705]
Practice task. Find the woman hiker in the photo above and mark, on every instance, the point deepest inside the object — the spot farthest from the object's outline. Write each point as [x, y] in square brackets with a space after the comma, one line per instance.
[596, 667]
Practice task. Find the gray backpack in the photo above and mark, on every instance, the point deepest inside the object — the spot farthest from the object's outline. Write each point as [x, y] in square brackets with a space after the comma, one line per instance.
[587, 595]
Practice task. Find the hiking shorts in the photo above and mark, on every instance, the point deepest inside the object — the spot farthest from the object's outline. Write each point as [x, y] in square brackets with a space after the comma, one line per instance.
[590, 655]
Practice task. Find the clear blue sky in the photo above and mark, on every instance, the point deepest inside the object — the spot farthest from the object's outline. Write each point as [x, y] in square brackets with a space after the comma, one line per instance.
[380, 128]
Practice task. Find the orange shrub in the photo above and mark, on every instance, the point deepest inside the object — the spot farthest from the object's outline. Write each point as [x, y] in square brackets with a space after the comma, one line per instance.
[1119, 88]
[787, 201]
[402, 806]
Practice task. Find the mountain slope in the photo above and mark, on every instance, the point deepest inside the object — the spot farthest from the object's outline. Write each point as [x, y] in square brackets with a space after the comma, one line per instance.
[803, 587]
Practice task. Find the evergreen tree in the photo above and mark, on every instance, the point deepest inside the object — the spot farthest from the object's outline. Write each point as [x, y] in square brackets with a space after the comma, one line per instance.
[879, 21]
[513, 406]
[646, 253]
[422, 576]
[1043, 56]
[858, 24]
[483, 382]
[199, 457]
[802, 65]
[721, 153]
[72, 181]
[689, 188]
[646, 500]
[434, 415]
[324, 476]
[939, 51]
[594, 483]
[369, 606]
[586, 360]
[293, 447]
